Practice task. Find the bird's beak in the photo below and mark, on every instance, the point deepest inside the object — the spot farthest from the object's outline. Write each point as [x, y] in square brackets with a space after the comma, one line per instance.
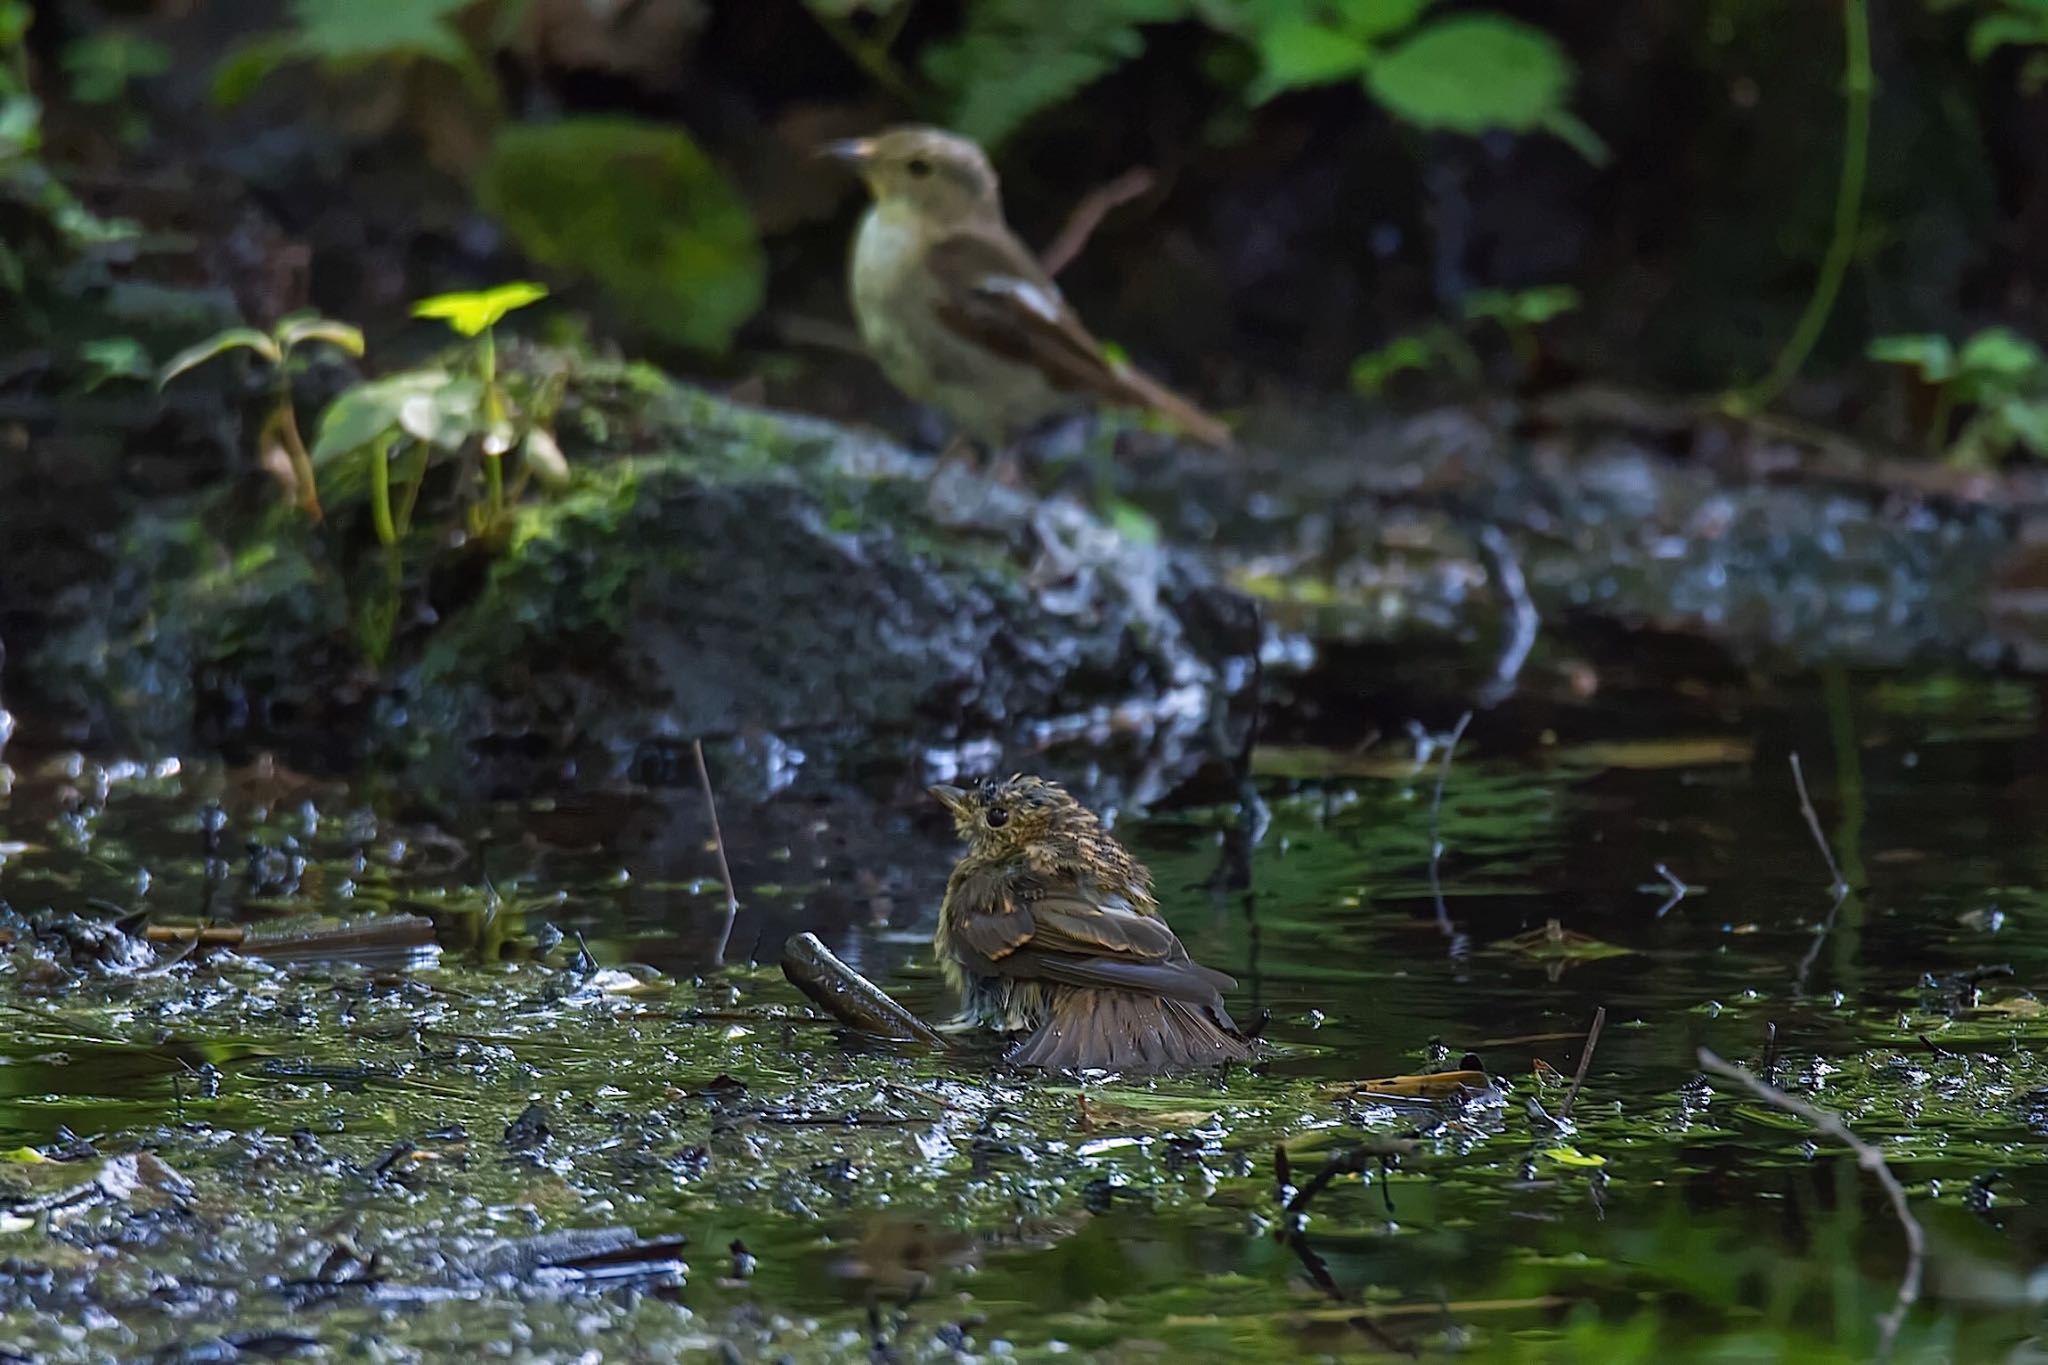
[853, 151]
[952, 798]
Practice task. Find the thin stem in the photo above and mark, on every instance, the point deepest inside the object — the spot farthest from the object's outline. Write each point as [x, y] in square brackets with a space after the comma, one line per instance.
[287, 422]
[380, 492]
[413, 483]
[871, 56]
[1436, 842]
[732, 900]
[1564, 1111]
[1872, 1161]
[1834, 268]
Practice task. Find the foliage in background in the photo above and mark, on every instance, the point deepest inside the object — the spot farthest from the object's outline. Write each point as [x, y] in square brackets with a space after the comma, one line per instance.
[1997, 379]
[1469, 72]
[636, 206]
[41, 222]
[1443, 345]
[2000, 24]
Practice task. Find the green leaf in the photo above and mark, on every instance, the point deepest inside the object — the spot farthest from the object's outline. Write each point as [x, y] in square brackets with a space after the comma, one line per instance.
[234, 338]
[337, 31]
[299, 328]
[2002, 353]
[1301, 52]
[2007, 29]
[2027, 420]
[1374, 19]
[1932, 355]
[1015, 57]
[470, 313]
[117, 357]
[1473, 73]
[1372, 372]
[639, 208]
[236, 75]
[1530, 307]
[433, 406]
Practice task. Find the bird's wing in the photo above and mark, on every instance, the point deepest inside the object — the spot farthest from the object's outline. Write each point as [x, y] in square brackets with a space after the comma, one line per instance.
[993, 292]
[1075, 938]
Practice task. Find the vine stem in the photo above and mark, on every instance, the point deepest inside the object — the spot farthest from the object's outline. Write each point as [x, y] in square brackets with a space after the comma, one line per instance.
[1827, 286]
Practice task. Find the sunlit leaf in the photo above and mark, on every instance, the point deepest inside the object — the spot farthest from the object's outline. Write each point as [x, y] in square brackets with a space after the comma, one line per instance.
[300, 328]
[234, 338]
[1934, 356]
[1572, 1156]
[1530, 306]
[2002, 352]
[639, 208]
[1473, 73]
[430, 405]
[1302, 52]
[1372, 372]
[470, 313]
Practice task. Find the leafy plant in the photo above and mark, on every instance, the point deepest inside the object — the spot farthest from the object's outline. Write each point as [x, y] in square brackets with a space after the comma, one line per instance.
[342, 35]
[280, 430]
[1518, 313]
[1998, 377]
[642, 210]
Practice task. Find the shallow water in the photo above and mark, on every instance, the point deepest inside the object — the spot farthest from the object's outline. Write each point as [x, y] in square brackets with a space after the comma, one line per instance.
[344, 1152]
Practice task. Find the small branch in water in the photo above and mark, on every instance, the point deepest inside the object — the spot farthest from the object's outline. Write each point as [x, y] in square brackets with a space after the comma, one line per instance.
[1680, 889]
[1867, 1157]
[1089, 213]
[1564, 1111]
[1351, 1161]
[732, 899]
[1436, 841]
[1523, 620]
[1837, 886]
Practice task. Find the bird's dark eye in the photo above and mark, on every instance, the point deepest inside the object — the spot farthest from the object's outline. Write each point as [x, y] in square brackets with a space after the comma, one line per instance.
[918, 167]
[997, 817]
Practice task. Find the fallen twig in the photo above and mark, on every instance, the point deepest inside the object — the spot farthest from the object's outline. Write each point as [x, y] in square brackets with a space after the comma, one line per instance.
[1867, 1157]
[1523, 620]
[1436, 841]
[1564, 1111]
[1088, 215]
[1837, 886]
[732, 899]
[1680, 889]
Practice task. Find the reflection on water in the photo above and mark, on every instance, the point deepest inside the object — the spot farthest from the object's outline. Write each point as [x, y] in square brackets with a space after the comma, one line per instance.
[345, 1132]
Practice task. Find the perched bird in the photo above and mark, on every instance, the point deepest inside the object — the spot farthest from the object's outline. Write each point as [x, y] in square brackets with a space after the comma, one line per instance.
[959, 313]
[1049, 928]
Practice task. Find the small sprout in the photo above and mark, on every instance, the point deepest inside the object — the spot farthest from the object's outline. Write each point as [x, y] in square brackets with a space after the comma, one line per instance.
[474, 312]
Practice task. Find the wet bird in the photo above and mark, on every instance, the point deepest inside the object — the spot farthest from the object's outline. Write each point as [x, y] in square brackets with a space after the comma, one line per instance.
[1050, 929]
[958, 312]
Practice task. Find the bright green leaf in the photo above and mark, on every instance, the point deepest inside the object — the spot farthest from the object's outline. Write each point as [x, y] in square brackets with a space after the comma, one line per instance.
[1572, 1156]
[1531, 307]
[1302, 52]
[2027, 420]
[234, 338]
[2000, 352]
[117, 357]
[1374, 19]
[470, 313]
[299, 328]
[642, 210]
[1932, 355]
[1371, 372]
[1473, 73]
[429, 405]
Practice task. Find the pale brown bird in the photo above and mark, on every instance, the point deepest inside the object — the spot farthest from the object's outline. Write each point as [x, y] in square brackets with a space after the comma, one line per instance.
[1049, 928]
[959, 313]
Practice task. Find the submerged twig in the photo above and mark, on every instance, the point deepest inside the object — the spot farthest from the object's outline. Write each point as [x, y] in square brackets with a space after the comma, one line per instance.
[1564, 1111]
[732, 899]
[1089, 213]
[1867, 1157]
[848, 996]
[1837, 886]
[1436, 841]
[1292, 1232]
[1680, 889]
[1523, 620]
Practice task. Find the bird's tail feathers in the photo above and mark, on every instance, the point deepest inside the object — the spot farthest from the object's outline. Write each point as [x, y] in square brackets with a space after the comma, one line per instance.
[1131, 1032]
[1141, 390]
